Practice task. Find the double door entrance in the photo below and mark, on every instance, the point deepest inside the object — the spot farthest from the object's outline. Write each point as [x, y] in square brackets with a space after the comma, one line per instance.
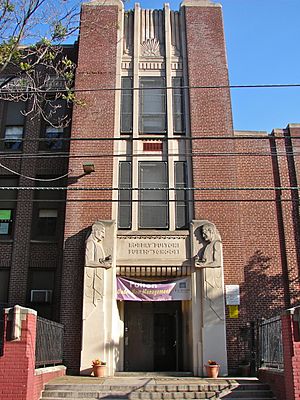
[153, 336]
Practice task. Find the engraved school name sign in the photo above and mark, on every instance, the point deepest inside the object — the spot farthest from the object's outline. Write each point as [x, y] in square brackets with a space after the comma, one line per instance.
[141, 249]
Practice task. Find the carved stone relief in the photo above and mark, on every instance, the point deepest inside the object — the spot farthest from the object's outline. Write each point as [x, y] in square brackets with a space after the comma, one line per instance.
[98, 253]
[207, 252]
[151, 48]
[98, 258]
[209, 258]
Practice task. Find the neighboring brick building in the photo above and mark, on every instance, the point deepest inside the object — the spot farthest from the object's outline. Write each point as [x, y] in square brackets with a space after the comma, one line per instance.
[208, 182]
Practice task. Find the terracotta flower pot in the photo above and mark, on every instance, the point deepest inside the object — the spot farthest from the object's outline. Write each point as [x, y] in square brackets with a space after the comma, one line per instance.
[99, 370]
[212, 371]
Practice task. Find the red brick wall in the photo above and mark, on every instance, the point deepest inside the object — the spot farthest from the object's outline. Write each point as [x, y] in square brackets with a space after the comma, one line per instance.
[258, 230]
[276, 380]
[292, 220]
[17, 364]
[286, 385]
[96, 69]
[291, 351]
[41, 379]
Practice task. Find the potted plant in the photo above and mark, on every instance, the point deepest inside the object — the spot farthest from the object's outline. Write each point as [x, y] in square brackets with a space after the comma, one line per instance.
[212, 369]
[99, 368]
[244, 368]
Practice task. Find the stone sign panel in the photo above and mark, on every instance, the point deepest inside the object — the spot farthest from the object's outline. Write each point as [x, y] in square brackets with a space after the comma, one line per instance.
[149, 249]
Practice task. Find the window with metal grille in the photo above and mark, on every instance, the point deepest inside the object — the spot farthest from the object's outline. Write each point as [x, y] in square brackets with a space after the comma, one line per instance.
[152, 112]
[124, 219]
[153, 204]
[178, 120]
[126, 105]
[180, 195]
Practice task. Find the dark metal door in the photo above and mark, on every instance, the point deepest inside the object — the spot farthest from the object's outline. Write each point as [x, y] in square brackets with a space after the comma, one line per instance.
[152, 337]
[138, 336]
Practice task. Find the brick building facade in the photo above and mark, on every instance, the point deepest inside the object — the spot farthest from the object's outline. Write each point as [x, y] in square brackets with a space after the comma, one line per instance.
[167, 163]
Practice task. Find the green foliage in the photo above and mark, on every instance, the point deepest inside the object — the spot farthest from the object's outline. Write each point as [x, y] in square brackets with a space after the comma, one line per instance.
[9, 7]
[59, 31]
[25, 66]
[9, 50]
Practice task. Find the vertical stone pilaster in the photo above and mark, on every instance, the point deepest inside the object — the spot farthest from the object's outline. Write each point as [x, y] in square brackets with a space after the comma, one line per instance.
[209, 325]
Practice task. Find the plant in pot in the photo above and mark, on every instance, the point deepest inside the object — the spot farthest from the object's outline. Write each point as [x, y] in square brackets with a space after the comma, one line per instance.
[244, 368]
[212, 369]
[99, 368]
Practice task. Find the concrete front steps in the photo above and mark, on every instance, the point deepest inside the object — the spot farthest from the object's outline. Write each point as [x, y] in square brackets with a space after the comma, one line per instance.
[74, 388]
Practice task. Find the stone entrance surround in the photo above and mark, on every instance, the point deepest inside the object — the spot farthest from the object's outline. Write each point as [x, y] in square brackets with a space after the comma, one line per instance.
[197, 253]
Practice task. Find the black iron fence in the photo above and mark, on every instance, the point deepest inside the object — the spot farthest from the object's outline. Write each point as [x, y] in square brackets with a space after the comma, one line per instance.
[270, 343]
[49, 342]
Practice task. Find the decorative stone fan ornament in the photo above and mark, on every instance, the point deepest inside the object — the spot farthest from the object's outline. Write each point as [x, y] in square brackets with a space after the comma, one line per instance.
[151, 48]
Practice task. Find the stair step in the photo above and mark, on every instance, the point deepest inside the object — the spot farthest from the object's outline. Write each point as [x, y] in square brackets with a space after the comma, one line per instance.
[50, 395]
[147, 387]
[242, 394]
[158, 389]
[250, 386]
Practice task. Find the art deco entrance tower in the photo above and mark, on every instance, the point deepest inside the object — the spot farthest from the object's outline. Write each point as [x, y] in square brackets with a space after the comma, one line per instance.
[141, 141]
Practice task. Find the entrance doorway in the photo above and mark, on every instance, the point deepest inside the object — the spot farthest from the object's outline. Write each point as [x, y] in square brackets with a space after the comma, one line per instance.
[153, 336]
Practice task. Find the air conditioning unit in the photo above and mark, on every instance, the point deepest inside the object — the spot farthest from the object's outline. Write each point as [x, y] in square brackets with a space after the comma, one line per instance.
[41, 296]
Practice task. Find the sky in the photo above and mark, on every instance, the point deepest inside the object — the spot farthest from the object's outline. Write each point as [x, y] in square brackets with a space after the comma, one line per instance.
[263, 47]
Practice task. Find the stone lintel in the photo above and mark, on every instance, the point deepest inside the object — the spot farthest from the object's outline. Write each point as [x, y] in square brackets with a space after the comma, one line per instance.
[105, 3]
[199, 3]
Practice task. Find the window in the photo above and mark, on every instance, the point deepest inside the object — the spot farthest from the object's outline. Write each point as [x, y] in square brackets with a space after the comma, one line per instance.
[53, 135]
[53, 129]
[46, 221]
[14, 125]
[152, 105]
[43, 282]
[7, 207]
[4, 281]
[126, 105]
[124, 195]
[153, 204]
[180, 195]
[46, 212]
[178, 121]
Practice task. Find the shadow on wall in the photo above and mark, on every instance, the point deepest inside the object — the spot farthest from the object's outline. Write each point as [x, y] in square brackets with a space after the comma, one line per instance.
[71, 298]
[263, 290]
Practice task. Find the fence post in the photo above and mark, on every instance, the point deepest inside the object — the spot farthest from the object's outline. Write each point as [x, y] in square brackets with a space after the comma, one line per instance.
[291, 351]
[17, 364]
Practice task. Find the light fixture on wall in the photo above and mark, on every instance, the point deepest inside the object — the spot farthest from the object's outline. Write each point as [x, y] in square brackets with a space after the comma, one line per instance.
[88, 167]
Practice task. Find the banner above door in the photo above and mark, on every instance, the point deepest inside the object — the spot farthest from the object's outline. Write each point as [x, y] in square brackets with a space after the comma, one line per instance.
[177, 289]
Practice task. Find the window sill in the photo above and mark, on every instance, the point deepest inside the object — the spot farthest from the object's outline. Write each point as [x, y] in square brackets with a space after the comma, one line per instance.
[6, 240]
[153, 232]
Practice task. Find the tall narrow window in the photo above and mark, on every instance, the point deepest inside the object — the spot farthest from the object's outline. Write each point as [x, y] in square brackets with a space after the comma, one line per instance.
[178, 120]
[153, 204]
[4, 281]
[14, 125]
[46, 211]
[152, 105]
[124, 220]
[7, 207]
[180, 195]
[126, 105]
[54, 128]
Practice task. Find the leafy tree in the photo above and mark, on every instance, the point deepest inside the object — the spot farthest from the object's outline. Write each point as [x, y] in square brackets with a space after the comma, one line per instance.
[34, 66]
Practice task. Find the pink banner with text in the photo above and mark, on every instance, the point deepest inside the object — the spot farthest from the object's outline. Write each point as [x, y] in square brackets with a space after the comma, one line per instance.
[177, 289]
